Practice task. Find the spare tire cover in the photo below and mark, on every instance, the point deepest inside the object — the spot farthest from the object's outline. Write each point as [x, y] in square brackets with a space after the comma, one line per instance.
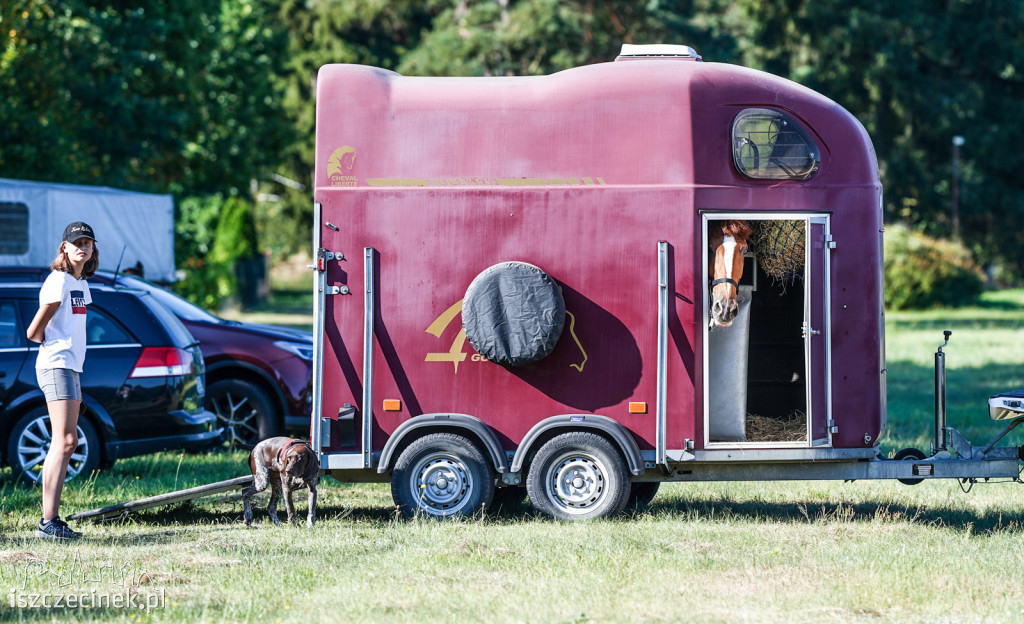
[513, 314]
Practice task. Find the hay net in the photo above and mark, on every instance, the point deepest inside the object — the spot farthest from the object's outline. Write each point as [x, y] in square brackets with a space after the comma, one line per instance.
[779, 246]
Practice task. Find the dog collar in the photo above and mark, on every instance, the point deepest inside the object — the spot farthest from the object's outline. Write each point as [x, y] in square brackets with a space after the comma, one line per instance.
[284, 450]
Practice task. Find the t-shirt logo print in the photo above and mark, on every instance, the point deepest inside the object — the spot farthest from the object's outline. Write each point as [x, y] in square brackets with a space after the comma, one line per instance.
[77, 302]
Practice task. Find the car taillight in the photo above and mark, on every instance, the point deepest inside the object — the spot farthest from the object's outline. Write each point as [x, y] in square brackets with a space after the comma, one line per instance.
[163, 362]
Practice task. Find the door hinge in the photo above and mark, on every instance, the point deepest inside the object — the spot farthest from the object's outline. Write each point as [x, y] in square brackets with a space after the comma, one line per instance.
[832, 426]
[830, 242]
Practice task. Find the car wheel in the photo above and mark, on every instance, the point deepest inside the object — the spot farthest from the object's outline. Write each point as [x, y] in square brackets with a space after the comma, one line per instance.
[30, 440]
[442, 475]
[243, 410]
[578, 476]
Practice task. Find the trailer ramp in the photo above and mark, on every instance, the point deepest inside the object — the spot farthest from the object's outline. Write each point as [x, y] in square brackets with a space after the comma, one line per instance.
[123, 509]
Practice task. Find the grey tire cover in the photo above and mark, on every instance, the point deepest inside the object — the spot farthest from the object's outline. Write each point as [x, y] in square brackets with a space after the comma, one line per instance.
[513, 313]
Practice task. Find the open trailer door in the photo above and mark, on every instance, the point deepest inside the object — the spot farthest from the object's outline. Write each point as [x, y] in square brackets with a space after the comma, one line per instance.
[767, 373]
[817, 329]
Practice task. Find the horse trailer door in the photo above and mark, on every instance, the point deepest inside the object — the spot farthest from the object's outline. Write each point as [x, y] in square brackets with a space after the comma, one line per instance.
[766, 375]
[817, 326]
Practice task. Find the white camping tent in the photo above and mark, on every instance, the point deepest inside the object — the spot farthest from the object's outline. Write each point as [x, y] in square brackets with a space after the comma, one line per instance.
[33, 216]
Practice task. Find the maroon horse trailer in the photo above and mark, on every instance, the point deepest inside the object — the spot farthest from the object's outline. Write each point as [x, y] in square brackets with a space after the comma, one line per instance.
[513, 288]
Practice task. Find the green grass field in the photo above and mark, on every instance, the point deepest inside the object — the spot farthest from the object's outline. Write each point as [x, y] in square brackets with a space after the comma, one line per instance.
[726, 552]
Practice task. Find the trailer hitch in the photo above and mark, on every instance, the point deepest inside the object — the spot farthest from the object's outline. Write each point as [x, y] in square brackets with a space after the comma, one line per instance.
[966, 450]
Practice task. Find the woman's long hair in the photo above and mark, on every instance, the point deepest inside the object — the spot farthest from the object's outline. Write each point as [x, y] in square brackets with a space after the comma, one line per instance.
[63, 263]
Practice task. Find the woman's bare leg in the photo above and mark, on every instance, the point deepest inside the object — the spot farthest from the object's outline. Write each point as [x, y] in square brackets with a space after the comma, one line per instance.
[64, 429]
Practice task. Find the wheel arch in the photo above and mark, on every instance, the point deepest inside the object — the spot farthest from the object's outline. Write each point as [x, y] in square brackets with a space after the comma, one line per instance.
[417, 427]
[564, 423]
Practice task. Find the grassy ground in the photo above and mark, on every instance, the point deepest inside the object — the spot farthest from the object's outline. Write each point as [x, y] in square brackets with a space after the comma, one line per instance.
[730, 552]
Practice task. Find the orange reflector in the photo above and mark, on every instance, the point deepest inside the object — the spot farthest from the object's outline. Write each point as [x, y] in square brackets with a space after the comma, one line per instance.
[392, 405]
[637, 407]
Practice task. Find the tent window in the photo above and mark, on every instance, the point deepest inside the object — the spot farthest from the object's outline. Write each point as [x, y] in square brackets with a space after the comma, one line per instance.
[13, 228]
[769, 145]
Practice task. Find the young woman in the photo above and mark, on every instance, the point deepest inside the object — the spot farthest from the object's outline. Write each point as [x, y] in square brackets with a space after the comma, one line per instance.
[60, 326]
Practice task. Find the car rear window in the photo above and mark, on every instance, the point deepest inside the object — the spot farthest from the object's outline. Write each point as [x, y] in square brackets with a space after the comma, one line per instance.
[179, 334]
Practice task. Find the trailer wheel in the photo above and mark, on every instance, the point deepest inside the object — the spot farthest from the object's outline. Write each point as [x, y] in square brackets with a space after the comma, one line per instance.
[442, 475]
[641, 493]
[909, 454]
[578, 476]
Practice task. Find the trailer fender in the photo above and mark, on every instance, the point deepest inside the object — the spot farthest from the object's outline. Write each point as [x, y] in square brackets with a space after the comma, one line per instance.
[581, 422]
[427, 423]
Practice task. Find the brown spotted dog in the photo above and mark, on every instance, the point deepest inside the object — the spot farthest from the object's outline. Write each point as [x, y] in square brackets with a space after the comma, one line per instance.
[285, 464]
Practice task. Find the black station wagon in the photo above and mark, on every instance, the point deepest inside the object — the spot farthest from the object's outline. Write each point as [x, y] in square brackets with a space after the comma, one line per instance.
[142, 387]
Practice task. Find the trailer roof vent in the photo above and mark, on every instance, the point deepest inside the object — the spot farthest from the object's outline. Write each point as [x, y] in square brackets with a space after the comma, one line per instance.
[632, 52]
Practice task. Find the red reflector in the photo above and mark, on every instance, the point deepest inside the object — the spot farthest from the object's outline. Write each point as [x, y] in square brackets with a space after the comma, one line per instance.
[320, 264]
[162, 362]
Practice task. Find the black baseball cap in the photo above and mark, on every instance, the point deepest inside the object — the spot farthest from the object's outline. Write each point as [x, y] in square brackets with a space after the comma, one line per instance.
[77, 230]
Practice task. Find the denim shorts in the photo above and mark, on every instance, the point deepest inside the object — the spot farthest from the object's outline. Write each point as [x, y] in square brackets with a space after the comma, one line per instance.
[59, 384]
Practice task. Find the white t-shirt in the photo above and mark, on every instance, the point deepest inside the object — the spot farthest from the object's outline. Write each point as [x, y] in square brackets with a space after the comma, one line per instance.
[64, 344]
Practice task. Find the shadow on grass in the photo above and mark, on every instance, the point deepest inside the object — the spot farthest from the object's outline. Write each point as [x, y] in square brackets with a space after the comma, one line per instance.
[158, 527]
[816, 512]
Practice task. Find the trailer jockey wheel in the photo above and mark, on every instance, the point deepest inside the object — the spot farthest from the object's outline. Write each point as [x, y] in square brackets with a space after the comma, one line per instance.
[442, 475]
[513, 314]
[578, 476]
[909, 454]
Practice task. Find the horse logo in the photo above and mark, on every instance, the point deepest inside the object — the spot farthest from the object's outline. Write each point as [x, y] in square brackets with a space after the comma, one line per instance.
[340, 165]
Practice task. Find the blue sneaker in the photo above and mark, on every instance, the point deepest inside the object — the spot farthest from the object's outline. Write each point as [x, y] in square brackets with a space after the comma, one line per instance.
[56, 529]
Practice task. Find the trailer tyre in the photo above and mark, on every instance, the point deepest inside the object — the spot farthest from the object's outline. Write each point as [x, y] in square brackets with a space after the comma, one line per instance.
[909, 454]
[513, 314]
[442, 475]
[578, 476]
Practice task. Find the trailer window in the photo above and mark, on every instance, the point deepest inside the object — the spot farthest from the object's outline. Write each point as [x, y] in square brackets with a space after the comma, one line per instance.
[769, 145]
[13, 228]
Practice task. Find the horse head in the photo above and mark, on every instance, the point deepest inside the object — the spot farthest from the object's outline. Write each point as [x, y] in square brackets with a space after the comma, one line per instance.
[727, 242]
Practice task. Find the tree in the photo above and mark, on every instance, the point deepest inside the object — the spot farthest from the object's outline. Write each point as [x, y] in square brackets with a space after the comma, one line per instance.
[167, 97]
[916, 74]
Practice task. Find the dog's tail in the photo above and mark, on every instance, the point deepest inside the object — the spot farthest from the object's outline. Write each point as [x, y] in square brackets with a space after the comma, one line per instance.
[244, 447]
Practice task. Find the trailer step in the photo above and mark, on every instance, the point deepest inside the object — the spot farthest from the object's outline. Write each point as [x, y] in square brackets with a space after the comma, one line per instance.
[122, 509]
